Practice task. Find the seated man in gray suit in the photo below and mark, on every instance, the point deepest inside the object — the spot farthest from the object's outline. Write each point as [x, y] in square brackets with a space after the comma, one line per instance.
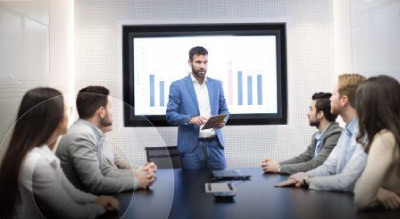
[322, 142]
[81, 150]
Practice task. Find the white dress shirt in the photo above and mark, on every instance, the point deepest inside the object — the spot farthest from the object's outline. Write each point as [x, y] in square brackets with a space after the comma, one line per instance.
[114, 159]
[344, 164]
[41, 179]
[203, 100]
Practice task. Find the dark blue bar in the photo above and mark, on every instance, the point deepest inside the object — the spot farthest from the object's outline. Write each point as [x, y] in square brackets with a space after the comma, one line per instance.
[161, 93]
[259, 89]
[249, 90]
[152, 91]
[240, 88]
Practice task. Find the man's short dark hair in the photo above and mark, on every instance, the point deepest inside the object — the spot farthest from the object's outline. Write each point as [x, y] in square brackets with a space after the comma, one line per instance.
[198, 50]
[322, 103]
[89, 99]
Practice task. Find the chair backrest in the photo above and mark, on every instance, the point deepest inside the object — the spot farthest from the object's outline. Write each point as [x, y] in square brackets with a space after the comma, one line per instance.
[164, 157]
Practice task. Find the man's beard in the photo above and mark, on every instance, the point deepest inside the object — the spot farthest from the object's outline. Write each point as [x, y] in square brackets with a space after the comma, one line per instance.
[196, 72]
[104, 122]
[316, 123]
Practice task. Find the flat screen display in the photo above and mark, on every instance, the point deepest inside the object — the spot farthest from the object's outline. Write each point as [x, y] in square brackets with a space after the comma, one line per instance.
[249, 59]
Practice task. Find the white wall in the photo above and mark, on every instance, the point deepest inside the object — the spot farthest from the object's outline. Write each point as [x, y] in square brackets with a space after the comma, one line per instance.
[36, 49]
[367, 34]
[325, 38]
[310, 64]
[375, 27]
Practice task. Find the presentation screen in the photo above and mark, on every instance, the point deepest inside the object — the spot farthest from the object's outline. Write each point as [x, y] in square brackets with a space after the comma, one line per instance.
[249, 60]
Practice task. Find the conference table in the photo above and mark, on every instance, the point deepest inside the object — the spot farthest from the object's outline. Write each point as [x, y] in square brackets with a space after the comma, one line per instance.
[180, 193]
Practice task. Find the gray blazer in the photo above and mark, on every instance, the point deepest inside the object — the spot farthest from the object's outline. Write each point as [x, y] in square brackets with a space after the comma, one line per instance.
[306, 161]
[43, 184]
[84, 167]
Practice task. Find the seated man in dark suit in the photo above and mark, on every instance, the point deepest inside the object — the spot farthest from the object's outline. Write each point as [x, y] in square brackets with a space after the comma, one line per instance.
[322, 142]
[81, 151]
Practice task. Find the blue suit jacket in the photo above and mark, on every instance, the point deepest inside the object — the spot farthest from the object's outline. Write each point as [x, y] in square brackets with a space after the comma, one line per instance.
[183, 104]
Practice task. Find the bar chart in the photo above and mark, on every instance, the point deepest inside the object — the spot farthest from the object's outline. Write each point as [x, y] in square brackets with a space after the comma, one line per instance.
[242, 90]
[245, 89]
[246, 69]
[161, 89]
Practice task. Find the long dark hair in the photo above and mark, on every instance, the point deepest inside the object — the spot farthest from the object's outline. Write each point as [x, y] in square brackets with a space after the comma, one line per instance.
[39, 114]
[378, 107]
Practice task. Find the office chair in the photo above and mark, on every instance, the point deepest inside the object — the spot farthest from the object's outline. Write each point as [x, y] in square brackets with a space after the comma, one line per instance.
[164, 157]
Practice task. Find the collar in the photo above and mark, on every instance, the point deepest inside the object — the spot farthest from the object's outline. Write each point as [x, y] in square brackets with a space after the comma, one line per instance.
[96, 130]
[194, 80]
[319, 135]
[352, 127]
[47, 154]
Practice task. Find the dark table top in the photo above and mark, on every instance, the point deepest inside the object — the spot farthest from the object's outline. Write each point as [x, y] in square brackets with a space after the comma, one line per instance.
[181, 194]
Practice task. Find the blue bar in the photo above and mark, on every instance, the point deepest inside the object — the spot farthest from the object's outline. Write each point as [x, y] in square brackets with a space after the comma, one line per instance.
[240, 88]
[259, 89]
[152, 101]
[161, 93]
[249, 90]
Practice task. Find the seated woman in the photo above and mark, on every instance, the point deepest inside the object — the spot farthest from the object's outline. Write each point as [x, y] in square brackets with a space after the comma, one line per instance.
[378, 109]
[32, 184]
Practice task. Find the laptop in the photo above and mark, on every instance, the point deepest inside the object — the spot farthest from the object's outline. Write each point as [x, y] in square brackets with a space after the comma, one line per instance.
[229, 175]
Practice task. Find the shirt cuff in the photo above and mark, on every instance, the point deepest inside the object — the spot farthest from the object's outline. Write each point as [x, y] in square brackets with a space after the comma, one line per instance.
[188, 120]
[315, 185]
[91, 198]
[135, 184]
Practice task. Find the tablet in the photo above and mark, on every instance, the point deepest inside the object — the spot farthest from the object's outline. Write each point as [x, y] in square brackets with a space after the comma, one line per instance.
[219, 187]
[212, 120]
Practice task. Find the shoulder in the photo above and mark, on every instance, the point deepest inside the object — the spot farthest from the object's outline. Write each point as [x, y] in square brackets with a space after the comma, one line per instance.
[79, 127]
[75, 138]
[177, 82]
[386, 134]
[38, 162]
[31, 159]
[384, 139]
[335, 128]
[181, 81]
[82, 129]
[78, 135]
[383, 144]
[212, 80]
[215, 83]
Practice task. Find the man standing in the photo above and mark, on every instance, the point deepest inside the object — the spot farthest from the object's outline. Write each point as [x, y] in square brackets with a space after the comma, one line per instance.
[81, 150]
[322, 142]
[347, 161]
[192, 100]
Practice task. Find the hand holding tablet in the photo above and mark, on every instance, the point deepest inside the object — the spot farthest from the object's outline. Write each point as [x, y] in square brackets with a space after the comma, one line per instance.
[215, 122]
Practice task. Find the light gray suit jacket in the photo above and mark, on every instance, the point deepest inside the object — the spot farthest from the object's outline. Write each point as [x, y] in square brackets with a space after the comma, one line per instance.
[78, 153]
[42, 183]
[306, 161]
